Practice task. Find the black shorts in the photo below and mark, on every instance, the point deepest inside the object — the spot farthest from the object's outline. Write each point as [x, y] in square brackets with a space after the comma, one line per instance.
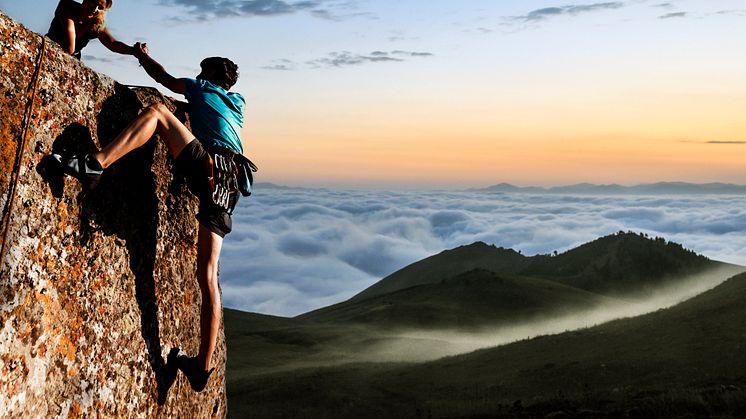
[193, 162]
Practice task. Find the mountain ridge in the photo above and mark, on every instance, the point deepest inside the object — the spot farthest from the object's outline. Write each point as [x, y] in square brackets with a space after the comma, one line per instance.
[480, 285]
[657, 188]
[508, 261]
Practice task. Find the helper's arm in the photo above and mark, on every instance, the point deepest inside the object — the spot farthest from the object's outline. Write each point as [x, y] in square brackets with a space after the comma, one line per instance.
[116, 46]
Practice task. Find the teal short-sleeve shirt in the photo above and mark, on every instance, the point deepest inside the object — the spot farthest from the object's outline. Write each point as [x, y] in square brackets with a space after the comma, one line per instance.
[216, 115]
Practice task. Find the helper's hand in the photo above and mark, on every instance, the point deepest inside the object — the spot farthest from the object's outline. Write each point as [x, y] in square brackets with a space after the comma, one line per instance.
[141, 49]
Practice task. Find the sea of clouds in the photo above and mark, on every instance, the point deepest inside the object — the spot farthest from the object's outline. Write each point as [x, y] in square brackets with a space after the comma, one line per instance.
[295, 250]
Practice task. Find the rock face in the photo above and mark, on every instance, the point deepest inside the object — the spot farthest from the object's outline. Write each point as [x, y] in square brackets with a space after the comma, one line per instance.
[95, 287]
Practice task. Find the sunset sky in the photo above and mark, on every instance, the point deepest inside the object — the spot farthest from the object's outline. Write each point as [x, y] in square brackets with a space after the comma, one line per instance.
[441, 94]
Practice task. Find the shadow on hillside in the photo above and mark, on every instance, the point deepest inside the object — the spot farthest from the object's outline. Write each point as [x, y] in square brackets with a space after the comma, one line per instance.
[123, 205]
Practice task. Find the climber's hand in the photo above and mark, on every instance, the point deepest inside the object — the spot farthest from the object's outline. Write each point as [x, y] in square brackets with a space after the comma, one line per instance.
[141, 49]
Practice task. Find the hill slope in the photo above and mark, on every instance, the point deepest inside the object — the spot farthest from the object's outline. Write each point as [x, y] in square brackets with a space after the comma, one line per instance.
[678, 362]
[447, 264]
[469, 300]
[480, 285]
[622, 262]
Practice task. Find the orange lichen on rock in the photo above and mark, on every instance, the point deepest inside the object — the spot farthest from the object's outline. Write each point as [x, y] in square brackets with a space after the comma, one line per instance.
[66, 348]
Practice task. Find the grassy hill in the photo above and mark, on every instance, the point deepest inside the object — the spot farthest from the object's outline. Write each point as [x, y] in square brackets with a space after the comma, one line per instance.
[480, 285]
[470, 300]
[686, 361]
[618, 263]
[447, 264]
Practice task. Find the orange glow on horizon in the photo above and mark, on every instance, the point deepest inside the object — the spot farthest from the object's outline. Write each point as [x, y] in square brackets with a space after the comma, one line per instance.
[622, 138]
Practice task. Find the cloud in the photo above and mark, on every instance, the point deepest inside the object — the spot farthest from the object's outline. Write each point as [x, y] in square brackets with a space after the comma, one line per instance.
[570, 10]
[281, 65]
[347, 58]
[203, 10]
[716, 142]
[731, 12]
[672, 15]
[294, 250]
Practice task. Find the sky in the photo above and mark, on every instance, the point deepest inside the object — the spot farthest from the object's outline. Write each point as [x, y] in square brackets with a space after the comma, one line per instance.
[295, 250]
[433, 94]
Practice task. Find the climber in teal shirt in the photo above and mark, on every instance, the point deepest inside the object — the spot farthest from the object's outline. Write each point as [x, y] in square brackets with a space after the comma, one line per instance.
[215, 113]
[212, 145]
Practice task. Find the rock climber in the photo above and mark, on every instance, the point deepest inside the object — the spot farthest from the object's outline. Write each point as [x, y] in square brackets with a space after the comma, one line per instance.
[209, 156]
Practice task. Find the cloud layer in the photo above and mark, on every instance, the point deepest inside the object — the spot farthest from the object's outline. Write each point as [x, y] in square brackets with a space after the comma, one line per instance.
[293, 250]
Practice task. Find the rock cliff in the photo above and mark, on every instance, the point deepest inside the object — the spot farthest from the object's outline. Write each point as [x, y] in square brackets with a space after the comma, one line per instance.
[95, 288]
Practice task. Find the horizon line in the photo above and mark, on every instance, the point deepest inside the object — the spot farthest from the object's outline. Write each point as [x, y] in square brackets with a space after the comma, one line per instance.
[410, 187]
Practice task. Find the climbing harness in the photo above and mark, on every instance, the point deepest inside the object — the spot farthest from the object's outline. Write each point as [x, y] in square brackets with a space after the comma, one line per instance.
[25, 125]
[230, 174]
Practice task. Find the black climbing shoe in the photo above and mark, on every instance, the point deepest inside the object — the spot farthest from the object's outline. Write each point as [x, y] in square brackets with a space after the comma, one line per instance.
[85, 168]
[190, 367]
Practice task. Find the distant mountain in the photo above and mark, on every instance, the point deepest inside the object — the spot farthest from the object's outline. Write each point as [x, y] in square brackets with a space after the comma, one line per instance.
[479, 285]
[660, 188]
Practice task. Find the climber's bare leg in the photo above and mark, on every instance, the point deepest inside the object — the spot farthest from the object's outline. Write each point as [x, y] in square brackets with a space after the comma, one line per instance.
[155, 119]
[208, 253]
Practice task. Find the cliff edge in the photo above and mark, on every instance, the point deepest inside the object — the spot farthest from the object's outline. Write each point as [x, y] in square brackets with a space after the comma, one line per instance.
[95, 288]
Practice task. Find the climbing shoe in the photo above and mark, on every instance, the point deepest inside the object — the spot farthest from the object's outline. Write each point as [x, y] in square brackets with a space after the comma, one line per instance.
[190, 367]
[85, 168]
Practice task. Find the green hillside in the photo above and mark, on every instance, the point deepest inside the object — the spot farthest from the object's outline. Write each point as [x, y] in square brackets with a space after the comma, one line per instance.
[618, 263]
[470, 300]
[447, 264]
[686, 361]
[485, 286]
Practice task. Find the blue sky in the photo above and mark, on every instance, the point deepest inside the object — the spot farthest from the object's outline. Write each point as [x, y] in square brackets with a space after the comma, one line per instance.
[359, 93]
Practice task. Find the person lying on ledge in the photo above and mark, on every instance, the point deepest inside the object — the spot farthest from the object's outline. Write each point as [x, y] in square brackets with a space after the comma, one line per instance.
[76, 24]
[210, 159]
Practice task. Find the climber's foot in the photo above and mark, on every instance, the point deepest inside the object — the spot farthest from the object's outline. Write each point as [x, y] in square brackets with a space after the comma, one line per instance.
[85, 168]
[190, 367]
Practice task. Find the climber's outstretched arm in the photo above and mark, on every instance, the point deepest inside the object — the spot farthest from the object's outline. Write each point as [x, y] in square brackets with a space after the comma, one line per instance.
[156, 71]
